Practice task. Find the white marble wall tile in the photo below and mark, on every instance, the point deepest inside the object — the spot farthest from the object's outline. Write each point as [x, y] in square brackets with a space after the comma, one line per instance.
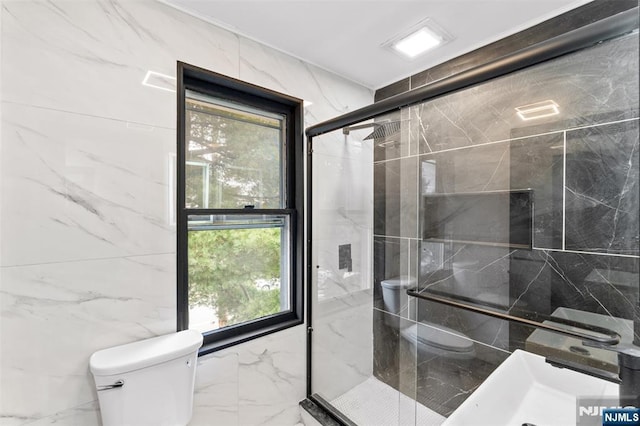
[216, 393]
[14, 421]
[54, 316]
[341, 164]
[342, 214]
[87, 240]
[82, 415]
[91, 57]
[272, 378]
[57, 49]
[275, 70]
[330, 280]
[345, 96]
[344, 182]
[79, 187]
[343, 344]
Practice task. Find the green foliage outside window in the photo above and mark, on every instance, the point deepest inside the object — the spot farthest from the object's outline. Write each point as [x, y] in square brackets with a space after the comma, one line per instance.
[230, 270]
[233, 161]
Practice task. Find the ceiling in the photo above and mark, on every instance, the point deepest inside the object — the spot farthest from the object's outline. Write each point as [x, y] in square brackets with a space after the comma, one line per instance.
[347, 37]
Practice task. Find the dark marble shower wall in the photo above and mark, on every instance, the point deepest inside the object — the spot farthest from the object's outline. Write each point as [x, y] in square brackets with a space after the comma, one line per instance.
[581, 166]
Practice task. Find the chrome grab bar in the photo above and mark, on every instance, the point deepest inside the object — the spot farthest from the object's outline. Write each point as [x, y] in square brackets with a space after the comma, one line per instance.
[115, 385]
[612, 338]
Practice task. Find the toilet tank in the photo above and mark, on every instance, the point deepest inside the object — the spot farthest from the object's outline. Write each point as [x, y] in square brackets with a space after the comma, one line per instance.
[394, 293]
[149, 382]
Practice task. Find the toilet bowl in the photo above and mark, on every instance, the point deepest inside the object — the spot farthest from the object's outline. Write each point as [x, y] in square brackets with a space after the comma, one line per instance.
[147, 383]
[427, 338]
[433, 339]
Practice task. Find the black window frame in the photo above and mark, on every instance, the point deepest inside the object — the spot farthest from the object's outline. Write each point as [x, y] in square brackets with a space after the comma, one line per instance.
[190, 77]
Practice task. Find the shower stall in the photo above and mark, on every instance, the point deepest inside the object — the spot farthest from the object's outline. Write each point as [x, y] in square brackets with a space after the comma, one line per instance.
[513, 187]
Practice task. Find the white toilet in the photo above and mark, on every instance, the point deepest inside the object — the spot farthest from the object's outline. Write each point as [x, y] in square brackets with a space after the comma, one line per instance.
[427, 338]
[147, 383]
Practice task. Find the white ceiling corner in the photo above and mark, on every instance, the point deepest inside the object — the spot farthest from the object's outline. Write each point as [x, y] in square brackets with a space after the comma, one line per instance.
[346, 37]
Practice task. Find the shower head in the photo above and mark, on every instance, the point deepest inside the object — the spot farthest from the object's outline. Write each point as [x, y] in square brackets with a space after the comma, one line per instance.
[380, 129]
[384, 130]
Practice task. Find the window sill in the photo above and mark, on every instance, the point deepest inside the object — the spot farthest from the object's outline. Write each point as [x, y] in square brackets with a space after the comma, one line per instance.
[212, 347]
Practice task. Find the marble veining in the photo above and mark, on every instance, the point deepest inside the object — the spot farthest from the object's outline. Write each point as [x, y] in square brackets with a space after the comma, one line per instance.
[529, 163]
[344, 217]
[537, 282]
[420, 134]
[216, 389]
[347, 349]
[84, 414]
[98, 303]
[602, 189]
[436, 382]
[485, 113]
[271, 377]
[582, 168]
[102, 185]
[88, 232]
[263, 66]
[119, 41]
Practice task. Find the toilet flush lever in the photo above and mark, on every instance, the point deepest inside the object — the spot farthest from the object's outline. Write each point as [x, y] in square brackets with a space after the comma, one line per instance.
[117, 384]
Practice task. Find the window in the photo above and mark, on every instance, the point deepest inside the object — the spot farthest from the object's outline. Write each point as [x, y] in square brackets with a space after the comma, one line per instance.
[239, 207]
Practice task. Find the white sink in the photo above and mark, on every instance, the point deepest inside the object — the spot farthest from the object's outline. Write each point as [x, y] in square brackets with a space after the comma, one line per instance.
[525, 389]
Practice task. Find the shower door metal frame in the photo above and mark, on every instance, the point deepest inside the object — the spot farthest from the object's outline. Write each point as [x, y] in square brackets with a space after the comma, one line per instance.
[572, 41]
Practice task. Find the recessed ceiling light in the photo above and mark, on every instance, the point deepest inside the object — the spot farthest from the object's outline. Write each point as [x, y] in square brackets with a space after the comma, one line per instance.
[538, 110]
[417, 42]
[418, 39]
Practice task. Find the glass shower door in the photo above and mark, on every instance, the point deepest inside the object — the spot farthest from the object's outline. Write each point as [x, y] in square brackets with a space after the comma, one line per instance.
[344, 317]
[518, 195]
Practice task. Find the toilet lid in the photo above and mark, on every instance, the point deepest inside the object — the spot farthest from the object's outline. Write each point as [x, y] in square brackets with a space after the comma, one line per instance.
[438, 336]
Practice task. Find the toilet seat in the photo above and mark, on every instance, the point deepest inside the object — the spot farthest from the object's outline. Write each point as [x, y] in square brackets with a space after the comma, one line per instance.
[438, 336]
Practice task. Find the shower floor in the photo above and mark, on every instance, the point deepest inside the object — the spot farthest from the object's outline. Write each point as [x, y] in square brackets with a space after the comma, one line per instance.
[374, 403]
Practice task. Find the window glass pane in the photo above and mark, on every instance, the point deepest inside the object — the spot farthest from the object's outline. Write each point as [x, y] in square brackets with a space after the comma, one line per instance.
[234, 155]
[238, 269]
